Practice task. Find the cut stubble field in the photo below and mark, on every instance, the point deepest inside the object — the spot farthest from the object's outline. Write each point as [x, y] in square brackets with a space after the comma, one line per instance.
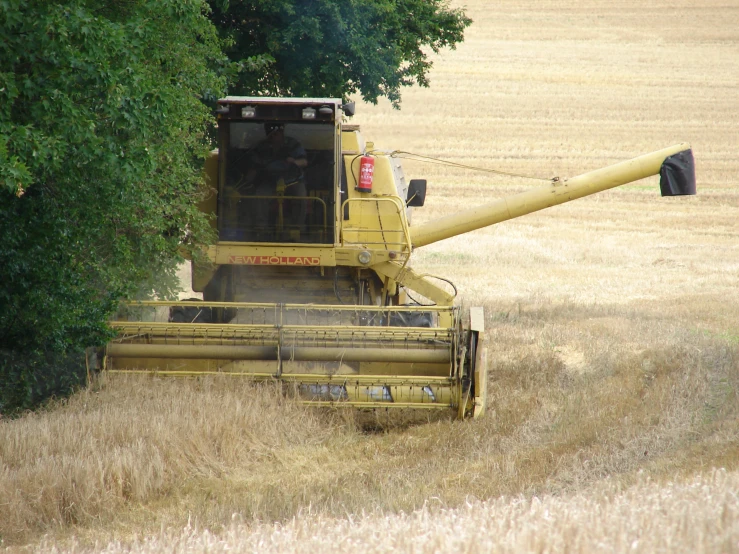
[612, 325]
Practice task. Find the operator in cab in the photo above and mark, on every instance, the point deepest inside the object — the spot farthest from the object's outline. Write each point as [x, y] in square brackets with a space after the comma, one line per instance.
[276, 168]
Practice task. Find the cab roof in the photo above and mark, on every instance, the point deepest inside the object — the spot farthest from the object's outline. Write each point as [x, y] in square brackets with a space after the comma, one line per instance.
[274, 100]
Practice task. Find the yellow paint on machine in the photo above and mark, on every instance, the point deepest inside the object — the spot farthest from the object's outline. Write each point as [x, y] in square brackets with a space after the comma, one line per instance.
[309, 282]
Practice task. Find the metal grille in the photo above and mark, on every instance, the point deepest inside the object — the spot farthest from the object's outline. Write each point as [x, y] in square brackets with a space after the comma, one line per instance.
[287, 325]
[319, 351]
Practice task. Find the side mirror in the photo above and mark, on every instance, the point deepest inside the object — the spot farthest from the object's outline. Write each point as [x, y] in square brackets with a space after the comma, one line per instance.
[416, 193]
[348, 108]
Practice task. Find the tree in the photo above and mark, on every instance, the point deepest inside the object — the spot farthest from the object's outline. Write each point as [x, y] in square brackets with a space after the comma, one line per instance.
[104, 125]
[333, 48]
[102, 136]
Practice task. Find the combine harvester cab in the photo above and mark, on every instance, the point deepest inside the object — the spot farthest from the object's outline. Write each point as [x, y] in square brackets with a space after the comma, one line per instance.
[309, 283]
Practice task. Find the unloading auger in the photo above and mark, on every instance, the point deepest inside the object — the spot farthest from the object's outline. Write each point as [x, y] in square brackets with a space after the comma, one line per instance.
[309, 283]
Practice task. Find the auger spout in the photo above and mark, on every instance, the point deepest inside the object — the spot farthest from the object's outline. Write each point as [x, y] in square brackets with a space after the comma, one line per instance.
[674, 164]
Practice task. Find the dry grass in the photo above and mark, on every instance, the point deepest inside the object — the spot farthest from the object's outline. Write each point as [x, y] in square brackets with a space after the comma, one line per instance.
[695, 515]
[142, 455]
[612, 324]
[138, 442]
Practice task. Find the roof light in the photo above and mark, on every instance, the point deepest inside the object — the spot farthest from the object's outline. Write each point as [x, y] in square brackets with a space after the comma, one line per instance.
[326, 110]
[248, 111]
[309, 113]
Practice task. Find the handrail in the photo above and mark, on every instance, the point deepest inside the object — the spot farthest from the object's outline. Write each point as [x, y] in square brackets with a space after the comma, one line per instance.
[399, 206]
[283, 197]
[304, 307]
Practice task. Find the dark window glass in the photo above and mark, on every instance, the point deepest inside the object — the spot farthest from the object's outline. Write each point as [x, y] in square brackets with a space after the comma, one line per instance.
[277, 182]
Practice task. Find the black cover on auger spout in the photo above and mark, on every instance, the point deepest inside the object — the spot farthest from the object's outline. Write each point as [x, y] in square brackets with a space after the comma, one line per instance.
[677, 174]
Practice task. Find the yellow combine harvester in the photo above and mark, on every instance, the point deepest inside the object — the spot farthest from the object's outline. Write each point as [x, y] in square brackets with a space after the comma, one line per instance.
[309, 281]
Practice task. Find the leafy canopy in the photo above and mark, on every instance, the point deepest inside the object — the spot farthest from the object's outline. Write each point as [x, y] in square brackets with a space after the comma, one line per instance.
[102, 133]
[332, 48]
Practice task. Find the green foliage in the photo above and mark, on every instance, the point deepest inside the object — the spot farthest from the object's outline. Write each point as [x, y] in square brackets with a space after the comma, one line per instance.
[14, 175]
[29, 378]
[333, 48]
[102, 137]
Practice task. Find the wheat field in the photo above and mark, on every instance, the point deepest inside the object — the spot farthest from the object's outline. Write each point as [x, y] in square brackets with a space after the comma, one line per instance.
[612, 325]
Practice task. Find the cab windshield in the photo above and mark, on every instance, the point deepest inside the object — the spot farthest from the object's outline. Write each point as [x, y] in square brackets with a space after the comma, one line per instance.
[276, 181]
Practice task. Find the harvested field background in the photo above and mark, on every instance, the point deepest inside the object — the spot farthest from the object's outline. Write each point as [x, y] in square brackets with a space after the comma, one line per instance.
[612, 324]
